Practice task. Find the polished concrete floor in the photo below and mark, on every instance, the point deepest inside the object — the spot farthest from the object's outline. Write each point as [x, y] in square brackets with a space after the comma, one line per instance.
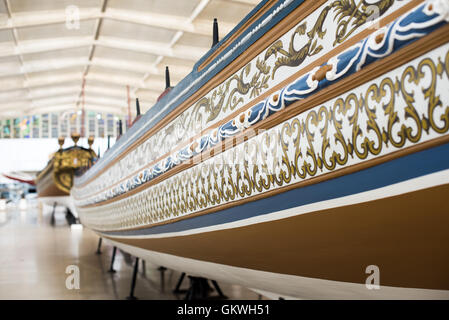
[34, 257]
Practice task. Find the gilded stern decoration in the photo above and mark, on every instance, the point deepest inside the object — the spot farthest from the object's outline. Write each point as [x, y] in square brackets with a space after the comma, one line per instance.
[57, 178]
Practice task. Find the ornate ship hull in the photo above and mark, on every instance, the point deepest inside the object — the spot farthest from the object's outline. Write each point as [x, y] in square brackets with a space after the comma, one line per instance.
[54, 182]
[295, 162]
[46, 185]
[48, 191]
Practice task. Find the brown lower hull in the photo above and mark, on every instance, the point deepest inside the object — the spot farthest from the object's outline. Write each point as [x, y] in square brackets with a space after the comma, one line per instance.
[405, 236]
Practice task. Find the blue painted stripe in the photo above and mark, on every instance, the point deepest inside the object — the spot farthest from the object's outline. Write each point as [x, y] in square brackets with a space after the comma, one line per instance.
[401, 169]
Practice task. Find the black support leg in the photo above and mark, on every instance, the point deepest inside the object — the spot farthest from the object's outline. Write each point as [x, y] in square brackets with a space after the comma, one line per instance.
[133, 283]
[199, 289]
[217, 288]
[111, 268]
[52, 221]
[162, 271]
[144, 269]
[178, 285]
[99, 246]
[70, 217]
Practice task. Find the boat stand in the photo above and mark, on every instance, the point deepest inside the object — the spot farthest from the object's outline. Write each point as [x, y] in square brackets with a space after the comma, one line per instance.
[144, 269]
[200, 289]
[52, 221]
[70, 217]
[133, 281]
[162, 271]
[218, 289]
[111, 267]
[178, 285]
[99, 246]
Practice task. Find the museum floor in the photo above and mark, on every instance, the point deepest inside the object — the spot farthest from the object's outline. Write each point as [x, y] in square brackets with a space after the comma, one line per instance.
[34, 257]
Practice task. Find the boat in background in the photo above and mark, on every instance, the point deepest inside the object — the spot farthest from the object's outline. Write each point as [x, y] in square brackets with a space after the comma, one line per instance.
[54, 182]
[22, 177]
[305, 156]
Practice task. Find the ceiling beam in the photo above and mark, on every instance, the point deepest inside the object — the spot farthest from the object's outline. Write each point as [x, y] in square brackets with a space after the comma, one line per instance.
[151, 19]
[190, 53]
[196, 11]
[31, 85]
[170, 22]
[43, 45]
[115, 65]
[119, 80]
[98, 24]
[51, 82]
[16, 38]
[59, 90]
[47, 17]
[42, 96]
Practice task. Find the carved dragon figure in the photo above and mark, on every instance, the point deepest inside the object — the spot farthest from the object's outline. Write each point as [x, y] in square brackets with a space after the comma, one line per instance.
[358, 14]
[295, 57]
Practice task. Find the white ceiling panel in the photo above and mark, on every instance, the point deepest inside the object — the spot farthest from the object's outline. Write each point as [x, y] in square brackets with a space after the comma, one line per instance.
[117, 72]
[20, 6]
[6, 36]
[131, 31]
[226, 10]
[56, 30]
[80, 52]
[192, 39]
[183, 8]
[125, 55]
[116, 48]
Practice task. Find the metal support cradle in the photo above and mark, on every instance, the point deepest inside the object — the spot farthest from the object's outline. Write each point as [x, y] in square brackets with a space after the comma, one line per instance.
[52, 221]
[99, 246]
[200, 289]
[133, 281]
[111, 267]
[178, 285]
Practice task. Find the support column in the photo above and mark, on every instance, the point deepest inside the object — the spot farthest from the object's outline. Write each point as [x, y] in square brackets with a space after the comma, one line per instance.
[178, 285]
[52, 221]
[133, 282]
[99, 246]
[111, 268]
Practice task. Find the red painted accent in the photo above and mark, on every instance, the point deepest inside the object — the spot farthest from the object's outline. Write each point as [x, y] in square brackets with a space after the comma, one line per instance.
[135, 120]
[20, 180]
[164, 93]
